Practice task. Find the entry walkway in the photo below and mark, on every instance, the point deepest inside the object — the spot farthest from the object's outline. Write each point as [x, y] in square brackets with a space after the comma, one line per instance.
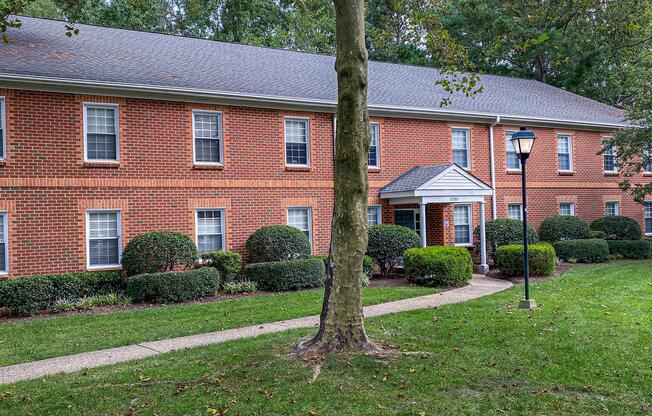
[480, 286]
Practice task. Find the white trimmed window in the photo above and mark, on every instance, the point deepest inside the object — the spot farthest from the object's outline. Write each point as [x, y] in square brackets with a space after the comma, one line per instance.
[374, 147]
[301, 218]
[612, 208]
[462, 147]
[515, 211]
[566, 208]
[4, 246]
[564, 153]
[101, 132]
[374, 215]
[609, 155]
[648, 218]
[207, 137]
[647, 161]
[104, 240]
[297, 142]
[512, 160]
[3, 151]
[463, 225]
[210, 230]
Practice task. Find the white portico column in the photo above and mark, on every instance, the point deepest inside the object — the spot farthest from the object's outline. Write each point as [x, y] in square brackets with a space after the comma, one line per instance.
[483, 242]
[422, 216]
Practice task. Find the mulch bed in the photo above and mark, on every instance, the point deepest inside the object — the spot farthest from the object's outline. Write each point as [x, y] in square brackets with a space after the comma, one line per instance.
[560, 269]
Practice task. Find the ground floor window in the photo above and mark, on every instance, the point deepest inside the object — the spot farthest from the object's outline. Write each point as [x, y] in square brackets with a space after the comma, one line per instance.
[301, 218]
[373, 215]
[104, 239]
[612, 208]
[4, 252]
[210, 230]
[566, 208]
[463, 228]
[515, 211]
[648, 218]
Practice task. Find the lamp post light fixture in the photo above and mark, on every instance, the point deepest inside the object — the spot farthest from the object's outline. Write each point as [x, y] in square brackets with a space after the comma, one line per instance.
[523, 140]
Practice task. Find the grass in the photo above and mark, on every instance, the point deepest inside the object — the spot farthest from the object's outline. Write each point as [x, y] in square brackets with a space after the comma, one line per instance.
[586, 351]
[64, 335]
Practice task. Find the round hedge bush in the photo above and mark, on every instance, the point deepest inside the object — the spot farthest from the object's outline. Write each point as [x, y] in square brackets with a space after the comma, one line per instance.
[388, 242]
[227, 263]
[618, 228]
[505, 231]
[563, 227]
[542, 260]
[287, 275]
[585, 251]
[158, 251]
[277, 243]
[438, 266]
[630, 249]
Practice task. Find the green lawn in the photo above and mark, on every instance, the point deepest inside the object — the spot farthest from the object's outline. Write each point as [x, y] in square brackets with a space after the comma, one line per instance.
[56, 336]
[586, 351]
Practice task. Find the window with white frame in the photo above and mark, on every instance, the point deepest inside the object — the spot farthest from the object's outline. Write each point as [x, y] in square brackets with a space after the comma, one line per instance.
[463, 228]
[512, 162]
[648, 218]
[564, 152]
[101, 132]
[210, 230]
[612, 208]
[4, 249]
[104, 243]
[609, 156]
[2, 129]
[515, 211]
[300, 218]
[373, 215]
[462, 147]
[566, 208]
[374, 147]
[207, 136]
[647, 161]
[297, 142]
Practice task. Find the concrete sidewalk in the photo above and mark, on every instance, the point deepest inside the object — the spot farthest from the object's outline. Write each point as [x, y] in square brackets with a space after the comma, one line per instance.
[480, 286]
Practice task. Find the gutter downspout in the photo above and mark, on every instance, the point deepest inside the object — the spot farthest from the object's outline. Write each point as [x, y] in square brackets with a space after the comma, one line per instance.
[494, 213]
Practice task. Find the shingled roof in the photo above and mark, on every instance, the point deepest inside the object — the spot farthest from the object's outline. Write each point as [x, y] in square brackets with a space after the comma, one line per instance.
[106, 56]
[414, 178]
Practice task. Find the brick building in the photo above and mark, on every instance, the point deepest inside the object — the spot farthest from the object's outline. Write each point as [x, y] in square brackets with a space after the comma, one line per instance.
[113, 133]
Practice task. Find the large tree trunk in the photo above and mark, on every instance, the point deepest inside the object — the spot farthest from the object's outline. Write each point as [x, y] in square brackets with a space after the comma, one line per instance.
[342, 322]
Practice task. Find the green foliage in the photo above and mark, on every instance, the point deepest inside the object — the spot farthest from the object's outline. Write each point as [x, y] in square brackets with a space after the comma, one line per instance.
[158, 251]
[277, 243]
[438, 266]
[279, 276]
[542, 260]
[26, 295]
[227, 263]
[585, 251]
[167, 287]
[367, 266]
[618, 228]
[505, 231]
[89, 302]
[630, 249]
[597, 234]
[563, 227]
[234, 288]
[388, 242]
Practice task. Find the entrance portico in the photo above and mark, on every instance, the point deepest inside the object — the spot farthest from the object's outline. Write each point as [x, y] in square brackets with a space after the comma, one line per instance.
[447, 186]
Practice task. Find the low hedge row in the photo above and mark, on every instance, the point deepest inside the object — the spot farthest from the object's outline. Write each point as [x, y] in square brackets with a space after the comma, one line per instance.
[585, 251]
[27, 295]
[287, 275]
[227, 263]
[543, 260]
[630, 249]
[168, 287]
[438, 266]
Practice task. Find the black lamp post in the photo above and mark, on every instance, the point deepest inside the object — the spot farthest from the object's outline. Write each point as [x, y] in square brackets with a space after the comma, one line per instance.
[523, 140]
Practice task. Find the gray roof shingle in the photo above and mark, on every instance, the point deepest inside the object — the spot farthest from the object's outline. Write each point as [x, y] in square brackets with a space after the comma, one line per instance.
[414, 178]
[108, 55]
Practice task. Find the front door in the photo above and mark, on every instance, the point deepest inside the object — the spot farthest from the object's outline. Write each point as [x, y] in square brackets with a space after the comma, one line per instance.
[407, 218]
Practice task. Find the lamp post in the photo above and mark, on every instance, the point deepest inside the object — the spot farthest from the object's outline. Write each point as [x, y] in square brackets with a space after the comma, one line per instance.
[523, 140]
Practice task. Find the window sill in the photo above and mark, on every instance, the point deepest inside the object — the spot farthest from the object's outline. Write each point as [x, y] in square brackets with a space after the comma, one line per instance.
[373, 170]
[107, 165]
[298, 168]
[514, 171]
[647, 174]
[103, 268]
[566, 173]
[208, 166]
[3, 162]
[610, 173]
[465, 245]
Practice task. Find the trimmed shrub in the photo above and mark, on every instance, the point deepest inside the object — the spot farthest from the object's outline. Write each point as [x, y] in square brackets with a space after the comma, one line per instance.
[618, 228]
[388, 242]
[26, 295]
[438, 266]
[563, 227]
[367, 265]
[277, 243]
[630, 249]
[158, 251]
[586, 251]
[279, 276]
[543, 260]
[227, 263]
[174, 286]
[234, 288]
[505, 231]
[597, 234]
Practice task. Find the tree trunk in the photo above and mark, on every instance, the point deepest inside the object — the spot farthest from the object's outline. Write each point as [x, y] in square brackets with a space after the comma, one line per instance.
[342, 321]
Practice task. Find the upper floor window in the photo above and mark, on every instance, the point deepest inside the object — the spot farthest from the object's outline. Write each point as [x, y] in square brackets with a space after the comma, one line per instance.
[210, 230]
[2, 129]
[207, 136]
[463, 226]
[374, 147]
[462, 147]
[647, 161]
[566, 208]
[101, 132]
[297, 142]
[564, 152]
[104, 245]
[301, 218]
[373, 215]
[512, 161]
[609, 155]
[515, 211]
[612, 208]
[648, 218]
[4, 250]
